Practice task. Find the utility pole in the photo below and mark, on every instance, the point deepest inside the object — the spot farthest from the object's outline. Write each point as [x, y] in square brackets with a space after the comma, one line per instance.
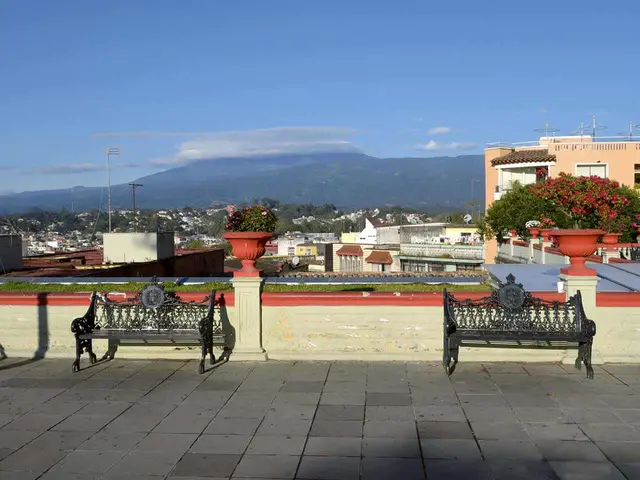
[110, 151]
[133, 201]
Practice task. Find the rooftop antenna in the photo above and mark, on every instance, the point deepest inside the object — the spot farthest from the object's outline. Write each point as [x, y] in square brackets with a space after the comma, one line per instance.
[582, 130]
[632, 129]
[595, 127]
[590, 129]
[547, 129]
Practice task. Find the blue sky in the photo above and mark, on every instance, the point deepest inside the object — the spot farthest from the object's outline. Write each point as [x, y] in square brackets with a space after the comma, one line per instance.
[286, 76]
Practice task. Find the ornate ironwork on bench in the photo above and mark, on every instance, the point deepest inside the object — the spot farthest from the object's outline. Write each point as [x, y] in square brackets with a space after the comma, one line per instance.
[512, 317]
[153, 317]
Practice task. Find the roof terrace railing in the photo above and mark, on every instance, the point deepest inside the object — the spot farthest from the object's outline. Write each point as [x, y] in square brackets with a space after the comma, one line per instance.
[363, 278]
[467, 252]
[585, 140]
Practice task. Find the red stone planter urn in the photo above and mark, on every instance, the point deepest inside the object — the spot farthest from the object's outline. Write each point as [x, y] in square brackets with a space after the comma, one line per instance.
[578, 245]
[513, 232]
[248, 247]
[534, 231]
[610, 238]
[545, 233]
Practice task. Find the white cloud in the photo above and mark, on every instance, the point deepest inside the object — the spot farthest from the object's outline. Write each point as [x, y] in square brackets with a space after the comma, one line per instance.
[268, 141]
[433, 146]
[438, 130]
[73, 168]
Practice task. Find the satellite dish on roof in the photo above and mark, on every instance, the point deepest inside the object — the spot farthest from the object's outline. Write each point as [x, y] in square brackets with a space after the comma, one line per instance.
[295, 261]
[467, 218]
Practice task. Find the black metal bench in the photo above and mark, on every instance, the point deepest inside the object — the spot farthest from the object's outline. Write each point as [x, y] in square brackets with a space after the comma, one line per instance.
[153, 317]
[512, 317]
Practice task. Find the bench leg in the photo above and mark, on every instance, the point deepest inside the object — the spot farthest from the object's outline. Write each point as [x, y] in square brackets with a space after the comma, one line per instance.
[110, 354]
[212, 357]
[204, 345]
[446, 355]
[586, 358]
[578, 363]
[450, 355]
[89, 348]
[75, 367]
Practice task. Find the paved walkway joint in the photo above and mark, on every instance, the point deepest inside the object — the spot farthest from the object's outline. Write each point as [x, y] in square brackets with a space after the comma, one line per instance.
[135, 420]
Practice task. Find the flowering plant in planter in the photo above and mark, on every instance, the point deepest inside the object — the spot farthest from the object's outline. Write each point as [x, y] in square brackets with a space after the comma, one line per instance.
[252, 219]
[587, 202]
[546, 222]
[248, 231]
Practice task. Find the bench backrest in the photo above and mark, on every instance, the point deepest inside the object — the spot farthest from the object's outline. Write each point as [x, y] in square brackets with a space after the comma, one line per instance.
[511, 308]
[153, 309]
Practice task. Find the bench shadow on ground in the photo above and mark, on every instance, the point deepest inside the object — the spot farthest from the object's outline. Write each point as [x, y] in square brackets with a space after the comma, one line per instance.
[229, 332]
[43, 337]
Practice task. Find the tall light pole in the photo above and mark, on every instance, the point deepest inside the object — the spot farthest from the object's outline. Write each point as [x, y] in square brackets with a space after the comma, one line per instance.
[110, 151]
[473, 182]
[133, 201]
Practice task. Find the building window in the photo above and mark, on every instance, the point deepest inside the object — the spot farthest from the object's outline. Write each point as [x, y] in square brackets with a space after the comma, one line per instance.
[465, 266]
[636, 169]
[415, 267]
[436, 267]
[350, 263]
[598, 170]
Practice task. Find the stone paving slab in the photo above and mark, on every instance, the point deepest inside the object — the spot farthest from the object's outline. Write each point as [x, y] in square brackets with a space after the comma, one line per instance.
[151, 420]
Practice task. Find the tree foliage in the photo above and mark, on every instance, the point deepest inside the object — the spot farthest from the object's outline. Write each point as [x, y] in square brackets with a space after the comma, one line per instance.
[566, 202]
[588, 202]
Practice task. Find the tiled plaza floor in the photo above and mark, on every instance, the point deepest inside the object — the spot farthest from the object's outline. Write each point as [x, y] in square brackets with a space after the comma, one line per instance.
[159, 419]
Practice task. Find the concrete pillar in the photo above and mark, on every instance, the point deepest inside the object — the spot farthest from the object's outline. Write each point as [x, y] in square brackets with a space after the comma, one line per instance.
[608, 253]
[587, 287]
[248, 307]
[531, 253]
[543, 252]
[511, 246]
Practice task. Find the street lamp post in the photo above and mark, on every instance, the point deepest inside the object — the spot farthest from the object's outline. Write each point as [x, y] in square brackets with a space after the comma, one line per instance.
[133, 201]
[473, 182]
[110, 151]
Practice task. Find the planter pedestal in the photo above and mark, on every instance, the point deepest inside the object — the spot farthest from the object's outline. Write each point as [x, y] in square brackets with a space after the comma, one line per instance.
[247, 344]
[587, 286]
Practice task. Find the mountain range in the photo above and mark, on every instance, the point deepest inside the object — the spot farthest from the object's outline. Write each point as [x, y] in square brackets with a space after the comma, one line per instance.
[348, 180]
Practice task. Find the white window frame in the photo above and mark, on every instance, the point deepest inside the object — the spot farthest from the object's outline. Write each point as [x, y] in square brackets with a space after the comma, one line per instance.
[537, 165]
[592, 164]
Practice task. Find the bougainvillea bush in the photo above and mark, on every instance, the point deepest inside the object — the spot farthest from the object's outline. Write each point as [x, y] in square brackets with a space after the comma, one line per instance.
[567, 201]
[588, 202]
[515, 209]
[252, 219]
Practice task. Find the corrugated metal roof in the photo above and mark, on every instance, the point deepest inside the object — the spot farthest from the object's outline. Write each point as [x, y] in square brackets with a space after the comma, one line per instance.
[617, 277]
